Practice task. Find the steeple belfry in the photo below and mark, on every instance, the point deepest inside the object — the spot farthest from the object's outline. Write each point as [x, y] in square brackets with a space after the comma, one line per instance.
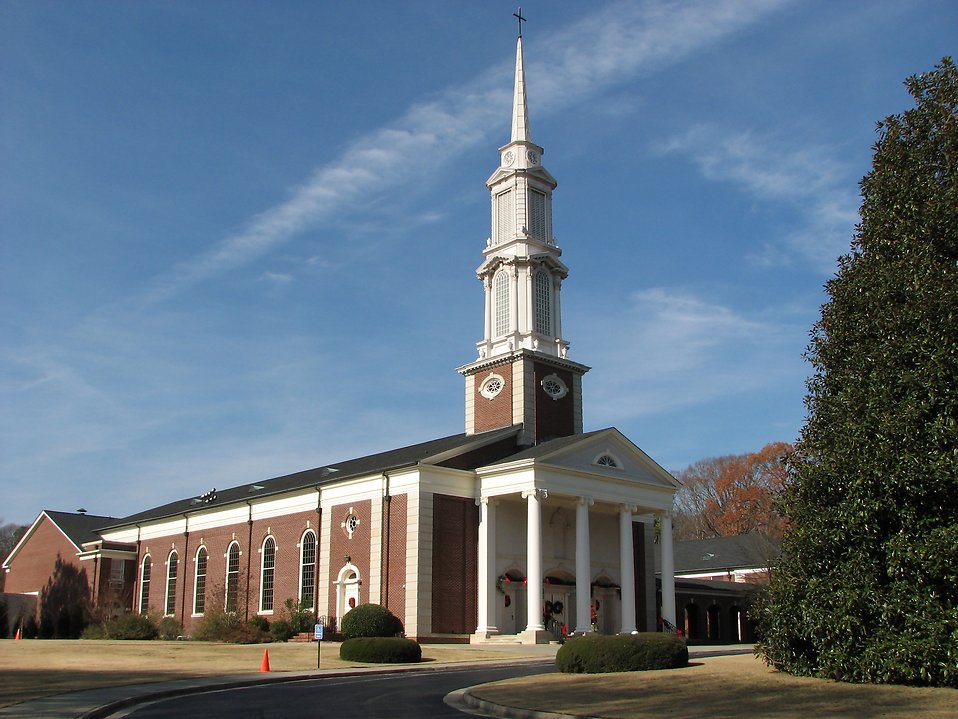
[522, 276]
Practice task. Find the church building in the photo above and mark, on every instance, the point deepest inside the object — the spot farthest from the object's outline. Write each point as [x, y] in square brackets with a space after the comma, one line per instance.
[519, 528]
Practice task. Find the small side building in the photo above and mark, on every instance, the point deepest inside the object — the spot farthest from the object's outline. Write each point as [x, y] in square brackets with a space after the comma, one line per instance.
[70, 537]
[716, 581]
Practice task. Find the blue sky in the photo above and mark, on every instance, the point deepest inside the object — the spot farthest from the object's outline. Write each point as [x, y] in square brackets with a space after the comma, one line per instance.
[238, 239]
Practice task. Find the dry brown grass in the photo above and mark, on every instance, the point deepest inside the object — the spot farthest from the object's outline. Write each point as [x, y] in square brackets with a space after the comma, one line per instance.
[714, 687]
[31, 669]
[717, 687]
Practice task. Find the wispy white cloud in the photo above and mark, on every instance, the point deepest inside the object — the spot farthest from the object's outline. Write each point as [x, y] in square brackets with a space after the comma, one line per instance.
[807, 178]
[672, 349]
[611, 46]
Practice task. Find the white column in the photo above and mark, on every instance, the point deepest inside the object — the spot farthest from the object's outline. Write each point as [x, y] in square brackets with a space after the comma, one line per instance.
[583, 568]
[487, 567]
[487, 319]
[626, 570]
[534, 562]
[668, 568]
[514, 309]
[556, 308]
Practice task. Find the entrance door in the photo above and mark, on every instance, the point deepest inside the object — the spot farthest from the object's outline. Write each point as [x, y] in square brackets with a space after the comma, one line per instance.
[511, 605]
[561, 601]
[347, 592]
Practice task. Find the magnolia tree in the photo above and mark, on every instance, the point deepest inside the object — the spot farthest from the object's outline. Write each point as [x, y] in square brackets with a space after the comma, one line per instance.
[867, 585]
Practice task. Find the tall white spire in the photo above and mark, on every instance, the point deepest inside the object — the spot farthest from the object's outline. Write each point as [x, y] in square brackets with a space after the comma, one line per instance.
[522, 375]
[520, 109]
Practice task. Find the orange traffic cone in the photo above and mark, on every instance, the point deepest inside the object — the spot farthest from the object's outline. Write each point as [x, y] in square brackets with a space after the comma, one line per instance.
[264, 667]
[18, 636]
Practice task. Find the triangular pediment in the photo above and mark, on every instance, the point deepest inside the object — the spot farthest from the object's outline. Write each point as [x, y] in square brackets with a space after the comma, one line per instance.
[608, 453]
[604, 466]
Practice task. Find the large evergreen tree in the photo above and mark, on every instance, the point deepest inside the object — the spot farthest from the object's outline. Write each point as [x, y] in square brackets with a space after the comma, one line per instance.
[867, 587]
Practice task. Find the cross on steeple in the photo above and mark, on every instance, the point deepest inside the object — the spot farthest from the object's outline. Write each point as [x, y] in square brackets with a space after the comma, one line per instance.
[518, 14]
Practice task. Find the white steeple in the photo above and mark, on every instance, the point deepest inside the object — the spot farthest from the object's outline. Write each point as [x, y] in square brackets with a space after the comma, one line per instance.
[522, 375]
[522, 272]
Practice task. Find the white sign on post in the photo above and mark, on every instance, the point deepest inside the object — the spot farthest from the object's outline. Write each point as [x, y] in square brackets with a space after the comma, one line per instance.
[318, 632]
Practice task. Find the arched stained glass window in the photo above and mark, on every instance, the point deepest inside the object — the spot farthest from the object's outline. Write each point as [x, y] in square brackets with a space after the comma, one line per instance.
[145, 574]
[232, 576]
[267, 575]
[307, 568]
[171, 568]
[199, 581]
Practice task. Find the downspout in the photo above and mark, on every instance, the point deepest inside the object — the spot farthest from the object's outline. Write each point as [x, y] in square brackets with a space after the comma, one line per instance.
[384, 545]
[96, 577]
[184, 563]
[249, 554]
[137, 574]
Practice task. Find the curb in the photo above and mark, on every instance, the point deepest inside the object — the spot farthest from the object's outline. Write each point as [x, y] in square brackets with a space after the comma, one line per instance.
[465, 698]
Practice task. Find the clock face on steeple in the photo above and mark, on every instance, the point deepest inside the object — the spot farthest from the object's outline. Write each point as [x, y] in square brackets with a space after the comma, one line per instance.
[533, 157]
[508, 158]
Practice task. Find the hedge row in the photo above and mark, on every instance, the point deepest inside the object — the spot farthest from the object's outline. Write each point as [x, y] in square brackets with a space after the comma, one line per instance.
[380, 650]
[600, 653]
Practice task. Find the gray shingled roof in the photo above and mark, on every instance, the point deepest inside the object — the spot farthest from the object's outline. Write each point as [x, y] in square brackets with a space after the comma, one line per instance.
[433, 452]
[79, 528]
[721, 553]
[548, 446]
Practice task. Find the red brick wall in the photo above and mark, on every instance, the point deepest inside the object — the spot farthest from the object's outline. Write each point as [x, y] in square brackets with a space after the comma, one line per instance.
[496, 412]
[554, 417]
[34, 563]
[357, 547]
[286, 531]
[394, 564]
[159, 549]
[454, 565]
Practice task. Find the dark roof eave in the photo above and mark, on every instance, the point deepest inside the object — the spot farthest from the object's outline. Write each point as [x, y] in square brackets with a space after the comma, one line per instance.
[456, 443]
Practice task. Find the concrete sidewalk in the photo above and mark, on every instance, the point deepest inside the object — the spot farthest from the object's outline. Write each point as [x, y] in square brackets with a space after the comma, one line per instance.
[105, 701]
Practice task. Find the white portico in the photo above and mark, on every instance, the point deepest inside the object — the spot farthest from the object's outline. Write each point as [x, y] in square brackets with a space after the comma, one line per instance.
[564, 526]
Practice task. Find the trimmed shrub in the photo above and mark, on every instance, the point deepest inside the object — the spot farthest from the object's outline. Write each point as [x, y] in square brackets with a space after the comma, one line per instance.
[380, 650]
[169, 629]
[280, 630]
[600, 653]
[130, 626]
[370, 620]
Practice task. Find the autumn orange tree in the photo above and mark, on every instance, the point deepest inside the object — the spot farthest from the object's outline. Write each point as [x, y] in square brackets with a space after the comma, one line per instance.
[732, 495]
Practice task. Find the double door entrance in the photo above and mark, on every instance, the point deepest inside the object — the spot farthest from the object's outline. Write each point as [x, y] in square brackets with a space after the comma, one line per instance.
[558, 604]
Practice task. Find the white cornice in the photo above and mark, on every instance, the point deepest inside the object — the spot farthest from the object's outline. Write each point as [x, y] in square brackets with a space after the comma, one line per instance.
[517, 355]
